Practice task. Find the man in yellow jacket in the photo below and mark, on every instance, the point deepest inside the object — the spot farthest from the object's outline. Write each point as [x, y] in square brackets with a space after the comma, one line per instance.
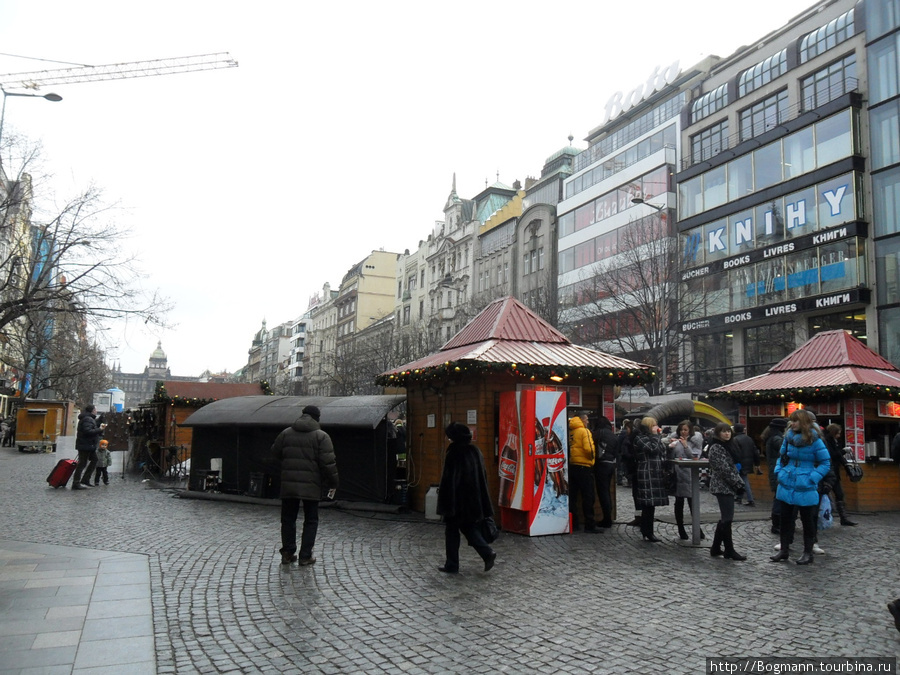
[582, 455]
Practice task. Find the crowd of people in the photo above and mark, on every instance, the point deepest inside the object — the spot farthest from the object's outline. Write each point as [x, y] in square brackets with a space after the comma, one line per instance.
[805, 462]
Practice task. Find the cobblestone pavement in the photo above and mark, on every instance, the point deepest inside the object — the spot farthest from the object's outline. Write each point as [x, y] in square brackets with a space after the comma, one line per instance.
[375, 602]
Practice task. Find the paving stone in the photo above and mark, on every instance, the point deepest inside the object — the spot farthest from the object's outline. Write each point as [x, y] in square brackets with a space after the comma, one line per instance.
[375, 602]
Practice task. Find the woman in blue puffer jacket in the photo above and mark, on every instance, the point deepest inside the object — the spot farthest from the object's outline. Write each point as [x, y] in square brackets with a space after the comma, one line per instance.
[803, 463]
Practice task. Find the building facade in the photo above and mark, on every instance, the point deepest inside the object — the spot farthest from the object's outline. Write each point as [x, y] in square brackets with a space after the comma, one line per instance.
[787, 216]
[615, 236]
[140, 387]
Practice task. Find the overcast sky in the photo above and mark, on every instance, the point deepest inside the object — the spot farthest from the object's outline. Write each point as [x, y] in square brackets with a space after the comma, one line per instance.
[246, 189]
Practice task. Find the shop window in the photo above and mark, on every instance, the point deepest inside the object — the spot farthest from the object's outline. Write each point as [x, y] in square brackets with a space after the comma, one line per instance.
[802, 274]
[764, 346]
[840, 264]
[799, 153]
[767, 165]
[851, 322]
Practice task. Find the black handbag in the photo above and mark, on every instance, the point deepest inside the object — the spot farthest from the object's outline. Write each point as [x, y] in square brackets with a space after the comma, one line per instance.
[854, 470]
[670, 480]
[489, 530]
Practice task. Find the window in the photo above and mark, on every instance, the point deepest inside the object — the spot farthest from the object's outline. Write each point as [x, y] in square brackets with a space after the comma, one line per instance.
[584, 254]
[881, 58]
[421, 309]
[406, 315]
[541, 258]
[829, 83]
[767, 165]
[411, 282]
[828, 36]
[709, 142]
[881, 17]
[886, 202]
[763, 73]
[889, 330]
[709, 103]
[764, 346]
[506, 272]
[763, 115]
[884, 125]
[834, 139]
[399, 289]
[799, 153]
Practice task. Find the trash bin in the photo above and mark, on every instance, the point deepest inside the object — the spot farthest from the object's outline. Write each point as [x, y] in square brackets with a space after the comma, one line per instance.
[431, 498]
[401, 488]
[257, 484]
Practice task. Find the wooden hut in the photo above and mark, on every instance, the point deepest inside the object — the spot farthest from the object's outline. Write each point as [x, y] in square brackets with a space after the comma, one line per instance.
[505, 348]
[158, 436]
[235, 437]
[843, 382]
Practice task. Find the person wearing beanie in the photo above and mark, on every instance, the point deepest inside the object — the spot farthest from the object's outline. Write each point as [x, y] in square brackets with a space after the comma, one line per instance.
[104, 459]
[308, 468]
[463, 498]
[772, 438]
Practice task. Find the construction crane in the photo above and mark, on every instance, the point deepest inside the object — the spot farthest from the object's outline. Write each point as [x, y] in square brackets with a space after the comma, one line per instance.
[33, 81]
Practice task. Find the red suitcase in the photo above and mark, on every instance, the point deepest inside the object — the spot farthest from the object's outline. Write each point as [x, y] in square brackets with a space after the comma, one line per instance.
[62, 472]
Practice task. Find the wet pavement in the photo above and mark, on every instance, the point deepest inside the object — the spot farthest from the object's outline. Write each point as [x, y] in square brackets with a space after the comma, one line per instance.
[221, 602]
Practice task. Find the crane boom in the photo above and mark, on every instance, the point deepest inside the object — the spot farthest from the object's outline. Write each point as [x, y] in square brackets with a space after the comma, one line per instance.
[34, 80]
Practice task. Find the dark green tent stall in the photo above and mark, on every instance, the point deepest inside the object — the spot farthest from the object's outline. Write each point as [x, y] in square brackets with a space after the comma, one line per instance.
[234, 436]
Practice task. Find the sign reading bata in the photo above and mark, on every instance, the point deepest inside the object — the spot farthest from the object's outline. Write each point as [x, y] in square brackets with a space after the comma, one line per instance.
[855, 296]
[658, 80]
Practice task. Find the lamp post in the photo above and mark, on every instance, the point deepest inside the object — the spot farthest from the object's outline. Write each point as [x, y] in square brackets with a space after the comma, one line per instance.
[50, 97]
[665, 308]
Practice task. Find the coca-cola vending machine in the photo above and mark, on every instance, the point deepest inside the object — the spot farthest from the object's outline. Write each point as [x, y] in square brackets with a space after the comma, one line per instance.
[534, 487]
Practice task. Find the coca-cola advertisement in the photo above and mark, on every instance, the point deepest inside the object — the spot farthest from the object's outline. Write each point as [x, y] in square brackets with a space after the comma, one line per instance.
[534, 488]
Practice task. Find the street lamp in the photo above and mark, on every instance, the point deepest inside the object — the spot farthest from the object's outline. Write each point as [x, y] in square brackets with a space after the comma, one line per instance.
[640, 200]
[50, 97]
[665, 309]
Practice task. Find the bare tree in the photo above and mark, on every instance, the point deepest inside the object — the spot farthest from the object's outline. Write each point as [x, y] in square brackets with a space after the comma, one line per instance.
[62, 270]
[628, 303]
[65, 258]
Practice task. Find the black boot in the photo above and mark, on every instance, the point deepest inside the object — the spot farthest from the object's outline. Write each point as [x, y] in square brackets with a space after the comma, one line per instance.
[730, 553]
[716, 549]
[781, 556]
[682, 533]
[806, 558]
[842, 512]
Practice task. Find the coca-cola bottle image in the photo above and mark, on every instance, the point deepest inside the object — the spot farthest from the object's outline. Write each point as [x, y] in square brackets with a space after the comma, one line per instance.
[509, 462]
[539, 463]
[556, 462]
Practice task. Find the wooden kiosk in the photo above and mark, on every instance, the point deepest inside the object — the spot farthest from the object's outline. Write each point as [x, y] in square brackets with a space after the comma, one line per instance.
[843, 382]
[505, 348]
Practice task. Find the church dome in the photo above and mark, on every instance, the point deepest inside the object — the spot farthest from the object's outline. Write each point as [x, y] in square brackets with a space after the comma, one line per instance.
[158, 353]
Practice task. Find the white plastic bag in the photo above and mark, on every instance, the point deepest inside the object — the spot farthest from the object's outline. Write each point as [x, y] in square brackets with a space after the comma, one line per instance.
[826, 518]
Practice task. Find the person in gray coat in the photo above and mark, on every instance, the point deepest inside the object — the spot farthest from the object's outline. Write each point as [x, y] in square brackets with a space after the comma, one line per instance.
[306, 456]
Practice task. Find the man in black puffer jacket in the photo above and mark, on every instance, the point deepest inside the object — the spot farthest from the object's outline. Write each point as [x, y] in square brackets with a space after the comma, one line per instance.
[306, 456]
[748, 454]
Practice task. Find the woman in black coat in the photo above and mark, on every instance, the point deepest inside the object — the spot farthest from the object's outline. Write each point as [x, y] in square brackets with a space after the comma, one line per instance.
[650, 455]
[463, 498]
[726, 484]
